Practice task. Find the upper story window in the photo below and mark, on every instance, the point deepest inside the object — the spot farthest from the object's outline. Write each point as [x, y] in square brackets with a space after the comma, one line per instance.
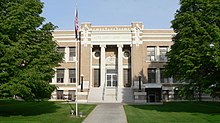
[127, 77]
[96, 77]
[50, 80]
[151, 53]
[151, 75]
[96, 54]
[72, 53]
[127, 54]
[72, 75]
[61, 50]
[163, 79]
[163, 51]
[60, 75]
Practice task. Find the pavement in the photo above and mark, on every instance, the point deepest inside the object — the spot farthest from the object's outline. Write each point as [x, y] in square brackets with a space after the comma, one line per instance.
[107, 113]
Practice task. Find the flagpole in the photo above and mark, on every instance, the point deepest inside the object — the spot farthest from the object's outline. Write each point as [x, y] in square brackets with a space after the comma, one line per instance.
[76, 31]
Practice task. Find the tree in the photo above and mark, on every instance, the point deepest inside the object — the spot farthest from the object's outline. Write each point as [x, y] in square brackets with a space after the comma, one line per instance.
[195, 55]
[27, 52]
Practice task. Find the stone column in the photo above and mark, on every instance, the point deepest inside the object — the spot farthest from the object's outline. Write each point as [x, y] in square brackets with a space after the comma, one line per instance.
[66, 54]
[158, 75]
[120, 66]
[54, 79]
[102, 65]
[66, 75]
[90, 79]
[157, 53]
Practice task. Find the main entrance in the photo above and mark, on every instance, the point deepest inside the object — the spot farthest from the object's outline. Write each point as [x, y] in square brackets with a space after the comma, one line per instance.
[111, 79]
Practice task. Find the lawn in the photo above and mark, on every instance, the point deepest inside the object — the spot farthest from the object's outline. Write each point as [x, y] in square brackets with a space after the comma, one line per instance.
[174, 112]
[39, 112]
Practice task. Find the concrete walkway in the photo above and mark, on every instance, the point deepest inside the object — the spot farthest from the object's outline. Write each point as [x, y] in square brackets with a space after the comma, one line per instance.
[107, 113]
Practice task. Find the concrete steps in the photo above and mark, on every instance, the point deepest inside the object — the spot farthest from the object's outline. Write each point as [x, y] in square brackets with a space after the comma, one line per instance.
[95, 94]
[125, 95]
[110, 95]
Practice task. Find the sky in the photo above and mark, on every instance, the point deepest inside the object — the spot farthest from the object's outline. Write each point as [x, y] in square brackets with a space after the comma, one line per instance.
[154, 14]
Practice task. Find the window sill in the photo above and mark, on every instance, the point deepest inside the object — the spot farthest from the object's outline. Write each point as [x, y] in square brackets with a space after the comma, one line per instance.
[156, 61]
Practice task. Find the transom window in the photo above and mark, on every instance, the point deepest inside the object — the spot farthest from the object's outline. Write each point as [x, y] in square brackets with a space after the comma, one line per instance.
[151, 53]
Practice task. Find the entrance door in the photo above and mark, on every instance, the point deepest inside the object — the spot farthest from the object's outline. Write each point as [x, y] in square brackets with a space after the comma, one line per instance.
[152, 97]
[111, 80]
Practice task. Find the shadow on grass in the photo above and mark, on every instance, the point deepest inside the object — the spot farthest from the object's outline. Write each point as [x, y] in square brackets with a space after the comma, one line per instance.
[188, 107]
[14, 108]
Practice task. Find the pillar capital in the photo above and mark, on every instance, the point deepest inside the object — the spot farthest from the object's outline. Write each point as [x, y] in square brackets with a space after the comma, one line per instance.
[120, 45]
[103, 45]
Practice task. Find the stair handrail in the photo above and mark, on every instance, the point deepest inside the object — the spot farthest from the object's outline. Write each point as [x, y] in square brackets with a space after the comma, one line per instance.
[116, 93]
[103, 93]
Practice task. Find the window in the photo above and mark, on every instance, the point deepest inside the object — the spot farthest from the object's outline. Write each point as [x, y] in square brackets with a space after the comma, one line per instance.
[127, 78]
[127, 54]
[163, 51]
[72, 76]
[60, 94]
[61, 50]
[96, 77]
[162, 76]
[175, 80]
[60, 75]
[50, 80]
[151, 75]
[72, 53]
[71, 95]
[151, 53]
[96, 54]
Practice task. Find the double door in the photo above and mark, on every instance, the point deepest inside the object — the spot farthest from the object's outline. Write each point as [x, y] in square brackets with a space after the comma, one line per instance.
[111, 79]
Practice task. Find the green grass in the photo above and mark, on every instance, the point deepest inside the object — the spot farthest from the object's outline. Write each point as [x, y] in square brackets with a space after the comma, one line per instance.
[39, 112]
[174, 112]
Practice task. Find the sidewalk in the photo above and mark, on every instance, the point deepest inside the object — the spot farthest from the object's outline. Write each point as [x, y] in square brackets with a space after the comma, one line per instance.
[107, 113]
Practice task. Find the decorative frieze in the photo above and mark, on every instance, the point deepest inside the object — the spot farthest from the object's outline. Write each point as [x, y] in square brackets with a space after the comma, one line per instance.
[111, 37]
[111, 28]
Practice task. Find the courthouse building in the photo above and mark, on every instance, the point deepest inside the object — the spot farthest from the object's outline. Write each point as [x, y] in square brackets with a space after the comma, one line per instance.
[123, 63]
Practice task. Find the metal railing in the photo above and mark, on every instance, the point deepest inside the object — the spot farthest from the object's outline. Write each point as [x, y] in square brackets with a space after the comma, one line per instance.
[116, 92]
[103, 93]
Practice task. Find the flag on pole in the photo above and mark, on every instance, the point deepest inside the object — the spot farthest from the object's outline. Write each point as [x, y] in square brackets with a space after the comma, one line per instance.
[76, 22]
[76, 33]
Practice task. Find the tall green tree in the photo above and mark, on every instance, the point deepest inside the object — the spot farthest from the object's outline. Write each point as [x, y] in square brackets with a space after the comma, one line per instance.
[195, 55]
[27, 52]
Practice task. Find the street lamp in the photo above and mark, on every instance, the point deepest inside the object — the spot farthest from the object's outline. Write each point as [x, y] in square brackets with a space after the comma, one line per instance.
[211, 45]
[212, 49]
[82, 82]
[139, 77]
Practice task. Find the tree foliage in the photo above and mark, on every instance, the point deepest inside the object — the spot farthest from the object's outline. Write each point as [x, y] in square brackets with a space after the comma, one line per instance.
[27, 52]
[195, 55]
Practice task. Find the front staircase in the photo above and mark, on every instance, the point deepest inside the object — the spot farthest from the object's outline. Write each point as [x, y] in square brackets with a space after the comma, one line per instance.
[110, 95]
[95, 95]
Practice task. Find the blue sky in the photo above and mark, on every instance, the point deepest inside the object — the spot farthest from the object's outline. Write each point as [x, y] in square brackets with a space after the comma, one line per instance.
[155, 14]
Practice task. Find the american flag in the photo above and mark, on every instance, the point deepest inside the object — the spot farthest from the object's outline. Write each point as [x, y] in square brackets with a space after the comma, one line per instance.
[76, 22]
